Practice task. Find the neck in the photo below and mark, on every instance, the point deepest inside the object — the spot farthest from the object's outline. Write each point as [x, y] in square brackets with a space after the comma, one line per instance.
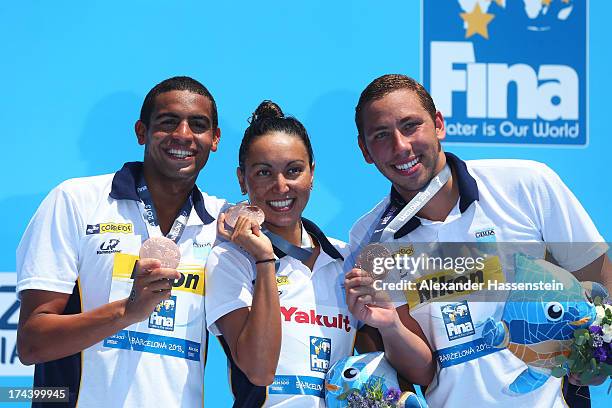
[292, 233]
[168, 196]
[441, 204]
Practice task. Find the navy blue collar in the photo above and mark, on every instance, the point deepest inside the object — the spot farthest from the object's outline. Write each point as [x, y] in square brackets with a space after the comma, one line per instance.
[468, 193]
[124, 188]
[316, 232]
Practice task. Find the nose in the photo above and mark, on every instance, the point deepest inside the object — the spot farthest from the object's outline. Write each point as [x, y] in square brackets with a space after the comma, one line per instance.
[401, 142]
[281, 185]
[182, 131]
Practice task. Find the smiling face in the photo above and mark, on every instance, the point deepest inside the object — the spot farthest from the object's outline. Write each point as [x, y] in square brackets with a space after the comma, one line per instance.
[402, 140]
[179, 136]
[278, 177]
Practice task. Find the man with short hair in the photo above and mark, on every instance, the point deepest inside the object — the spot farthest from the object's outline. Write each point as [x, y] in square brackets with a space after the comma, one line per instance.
[400, 132]
[112, 340]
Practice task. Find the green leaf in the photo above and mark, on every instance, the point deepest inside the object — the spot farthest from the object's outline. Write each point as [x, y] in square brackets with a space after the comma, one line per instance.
[580, 340]
[561, 359]
[558, 372]
[586, 376]
[580, 332]
[606, 369]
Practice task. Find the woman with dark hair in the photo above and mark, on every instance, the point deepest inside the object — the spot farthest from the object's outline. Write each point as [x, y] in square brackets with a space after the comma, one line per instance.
[275, 293]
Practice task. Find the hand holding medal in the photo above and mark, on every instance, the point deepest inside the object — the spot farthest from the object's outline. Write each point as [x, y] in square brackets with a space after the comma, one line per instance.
[154, 275]
[244, 221]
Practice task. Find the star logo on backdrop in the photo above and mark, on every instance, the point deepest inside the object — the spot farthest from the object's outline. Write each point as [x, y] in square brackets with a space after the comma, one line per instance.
[477, 22]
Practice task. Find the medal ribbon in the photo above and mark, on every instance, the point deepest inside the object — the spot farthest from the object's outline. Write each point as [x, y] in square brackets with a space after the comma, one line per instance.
[150, 216]
[393, 219]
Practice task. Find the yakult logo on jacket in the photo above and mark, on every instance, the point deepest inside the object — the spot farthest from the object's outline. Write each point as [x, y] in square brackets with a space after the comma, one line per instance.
[311, 316]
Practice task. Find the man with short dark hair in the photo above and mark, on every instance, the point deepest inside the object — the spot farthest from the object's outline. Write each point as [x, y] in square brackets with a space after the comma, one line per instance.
[114, 330]
[504, 200]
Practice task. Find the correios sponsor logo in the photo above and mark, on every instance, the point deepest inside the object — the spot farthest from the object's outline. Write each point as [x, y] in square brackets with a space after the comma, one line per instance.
[109, 227]
[293, 314]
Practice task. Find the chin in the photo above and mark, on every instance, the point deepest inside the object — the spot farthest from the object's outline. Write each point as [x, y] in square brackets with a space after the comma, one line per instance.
[281, 222]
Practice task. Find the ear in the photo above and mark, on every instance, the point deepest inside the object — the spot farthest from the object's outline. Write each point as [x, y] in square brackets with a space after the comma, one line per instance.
[141, 132]
[440, 127]
[364, 149]
[312, 169]
[216, 138]
[241, 179]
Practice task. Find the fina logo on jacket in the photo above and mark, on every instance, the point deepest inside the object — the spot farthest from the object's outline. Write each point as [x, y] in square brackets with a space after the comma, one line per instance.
[162, 317]
[457, 320]
[320, 353]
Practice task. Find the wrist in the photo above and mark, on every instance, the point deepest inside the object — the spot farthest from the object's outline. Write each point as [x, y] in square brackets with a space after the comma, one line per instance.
[262, 258]
[122, 315]
[393, 329]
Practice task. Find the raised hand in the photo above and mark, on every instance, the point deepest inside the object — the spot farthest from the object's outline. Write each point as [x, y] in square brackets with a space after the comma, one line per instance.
[151, 286]
[248, 235]
[372, 307]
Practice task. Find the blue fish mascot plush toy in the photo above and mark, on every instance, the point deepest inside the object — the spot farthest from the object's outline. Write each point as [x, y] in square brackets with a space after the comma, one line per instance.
[539, 325]
[366, 380]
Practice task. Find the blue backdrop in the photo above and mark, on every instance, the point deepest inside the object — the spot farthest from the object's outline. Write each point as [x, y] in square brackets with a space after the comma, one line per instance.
[75, 75]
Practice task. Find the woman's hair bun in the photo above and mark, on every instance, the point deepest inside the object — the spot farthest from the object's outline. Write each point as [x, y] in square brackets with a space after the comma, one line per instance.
[267, 109]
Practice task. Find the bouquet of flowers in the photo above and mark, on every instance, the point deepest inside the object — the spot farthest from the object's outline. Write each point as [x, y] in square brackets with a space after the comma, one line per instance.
[590, 355]
[373, 396]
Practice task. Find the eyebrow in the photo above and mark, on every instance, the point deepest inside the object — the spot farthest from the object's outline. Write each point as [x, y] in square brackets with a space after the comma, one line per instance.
[299, 161]
[403, 120]
[175, 116]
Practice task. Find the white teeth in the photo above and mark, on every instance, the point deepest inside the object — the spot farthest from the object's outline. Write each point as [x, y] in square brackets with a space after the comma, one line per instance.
[408, 165]
[281, 203]
[180, 153]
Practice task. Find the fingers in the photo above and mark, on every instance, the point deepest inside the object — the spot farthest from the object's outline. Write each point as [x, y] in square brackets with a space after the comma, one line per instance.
[239, 228]
[356, 272]
[245, 226]
[159, 286]
[358, 296]
[158, 274]
[365, 293]
[221, 231]
[362, 302]
[146, 265]
[358, 281]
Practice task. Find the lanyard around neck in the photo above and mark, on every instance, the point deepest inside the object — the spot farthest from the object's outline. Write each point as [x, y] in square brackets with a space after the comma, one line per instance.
[395, 215]
[150, 215]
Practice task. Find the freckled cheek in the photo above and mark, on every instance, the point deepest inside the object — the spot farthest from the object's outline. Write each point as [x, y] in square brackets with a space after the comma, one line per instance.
[258, 192]
[302, 192]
